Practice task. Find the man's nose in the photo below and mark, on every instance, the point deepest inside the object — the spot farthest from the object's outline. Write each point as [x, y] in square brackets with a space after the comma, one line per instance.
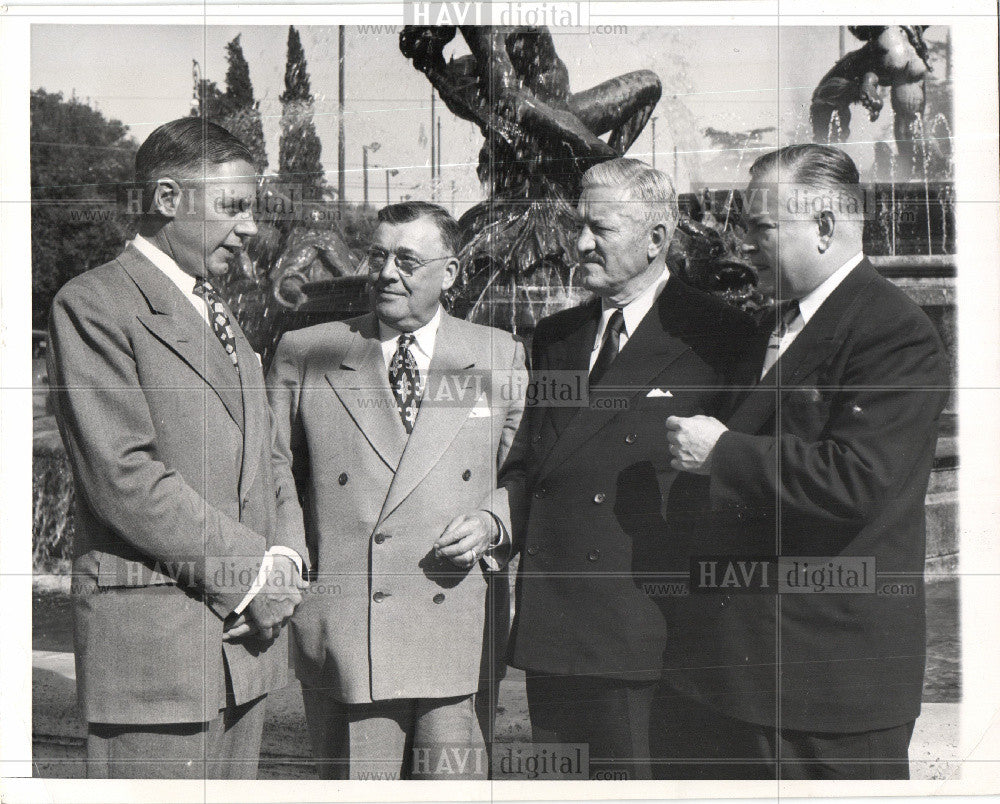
[247, 227]
[585, 240]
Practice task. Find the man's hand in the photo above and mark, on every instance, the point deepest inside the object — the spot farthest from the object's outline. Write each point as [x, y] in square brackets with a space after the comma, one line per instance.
[466, 538]
[692, 439]
[273, 605]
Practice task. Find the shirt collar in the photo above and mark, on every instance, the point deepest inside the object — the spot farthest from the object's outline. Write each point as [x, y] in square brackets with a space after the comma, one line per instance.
[184, 281]
[812, 301]
[635, 310]
[423, 337]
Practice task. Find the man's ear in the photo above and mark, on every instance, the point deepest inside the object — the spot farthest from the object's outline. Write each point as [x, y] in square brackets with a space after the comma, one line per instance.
[826, 223]
[658, 240]
[451, 271]
[167, 198]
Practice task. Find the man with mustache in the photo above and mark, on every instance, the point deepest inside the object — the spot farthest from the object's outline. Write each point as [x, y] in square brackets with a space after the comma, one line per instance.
[594, 474]
[182, 578]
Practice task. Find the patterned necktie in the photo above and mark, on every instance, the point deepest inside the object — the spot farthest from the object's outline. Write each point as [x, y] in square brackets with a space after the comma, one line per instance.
[218, 318]
[784, 314]
[404, 379]
[609, 348]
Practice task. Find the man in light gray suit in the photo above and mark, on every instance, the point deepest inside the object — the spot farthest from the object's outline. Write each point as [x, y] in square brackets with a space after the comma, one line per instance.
[182, 577]
[394, 425]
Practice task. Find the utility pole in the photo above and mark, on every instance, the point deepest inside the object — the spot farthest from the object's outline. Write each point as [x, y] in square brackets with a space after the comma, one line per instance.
[341, 150]
[653, 125]
[433, 191]
[364, 166]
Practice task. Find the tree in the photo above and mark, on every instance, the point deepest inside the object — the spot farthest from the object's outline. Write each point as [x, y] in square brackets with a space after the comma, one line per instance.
[212, 102]
[81, 172]
[299, 148]
[243, 112]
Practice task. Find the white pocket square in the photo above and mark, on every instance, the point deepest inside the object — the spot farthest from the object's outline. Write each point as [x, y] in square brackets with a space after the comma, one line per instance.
[658, 393]
[481, 408]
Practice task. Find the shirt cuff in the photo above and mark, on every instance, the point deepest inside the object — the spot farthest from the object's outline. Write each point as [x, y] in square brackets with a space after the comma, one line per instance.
[265, 568]
[502, 538]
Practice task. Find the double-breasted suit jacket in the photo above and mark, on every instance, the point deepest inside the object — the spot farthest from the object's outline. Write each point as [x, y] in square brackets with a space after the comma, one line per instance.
[594, 478]
[175, 497]
[827, 457]
[384, 619]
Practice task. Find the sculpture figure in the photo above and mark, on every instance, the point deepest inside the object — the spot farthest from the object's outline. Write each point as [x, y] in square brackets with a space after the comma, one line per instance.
[895, 56]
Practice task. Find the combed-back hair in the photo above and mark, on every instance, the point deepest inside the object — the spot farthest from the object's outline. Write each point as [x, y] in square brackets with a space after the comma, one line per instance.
[408, 211]
[648, 193]
[818, 167]
[183, 149]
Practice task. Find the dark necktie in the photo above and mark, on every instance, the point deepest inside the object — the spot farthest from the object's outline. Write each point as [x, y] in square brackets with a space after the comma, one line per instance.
[609, 346]
[784, 314]
[404, 379]
[218, 318]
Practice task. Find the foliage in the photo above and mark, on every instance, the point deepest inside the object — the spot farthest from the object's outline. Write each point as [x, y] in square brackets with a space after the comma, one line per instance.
[52, 523]
[299, 148]
[81, 169]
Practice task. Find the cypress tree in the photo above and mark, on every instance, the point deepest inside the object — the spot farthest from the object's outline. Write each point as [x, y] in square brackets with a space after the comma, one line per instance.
[299, 148]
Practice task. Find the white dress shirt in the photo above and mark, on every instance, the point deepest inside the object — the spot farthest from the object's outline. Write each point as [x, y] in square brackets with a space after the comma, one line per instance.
[422, 347]
[633, 313]
[185, 284]
[808, 305]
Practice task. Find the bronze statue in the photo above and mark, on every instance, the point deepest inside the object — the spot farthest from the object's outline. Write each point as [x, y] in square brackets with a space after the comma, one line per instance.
[516, 89]
[895, 56]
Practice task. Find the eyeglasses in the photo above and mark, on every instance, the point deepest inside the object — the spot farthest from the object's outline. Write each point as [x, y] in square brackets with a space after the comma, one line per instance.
[375, 258]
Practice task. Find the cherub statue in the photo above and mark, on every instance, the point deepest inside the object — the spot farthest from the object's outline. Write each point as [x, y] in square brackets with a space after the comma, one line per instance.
[895, 56]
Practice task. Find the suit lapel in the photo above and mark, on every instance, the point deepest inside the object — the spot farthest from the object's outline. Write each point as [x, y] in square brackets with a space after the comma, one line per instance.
[174, 321]
[574, 355]
[810, 349]
[443, 411]
[362, 383]
[256, 424]
[646, 355]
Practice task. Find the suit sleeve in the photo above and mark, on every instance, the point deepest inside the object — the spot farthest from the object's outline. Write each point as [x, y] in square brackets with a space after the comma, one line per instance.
[881, 414]
[284, 385]
[110, 441]
[501, 500]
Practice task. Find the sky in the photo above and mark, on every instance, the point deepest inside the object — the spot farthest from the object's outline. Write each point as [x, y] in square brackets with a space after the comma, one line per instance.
[730, 78]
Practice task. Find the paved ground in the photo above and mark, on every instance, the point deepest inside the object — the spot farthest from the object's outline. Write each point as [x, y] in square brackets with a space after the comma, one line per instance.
[58, 732]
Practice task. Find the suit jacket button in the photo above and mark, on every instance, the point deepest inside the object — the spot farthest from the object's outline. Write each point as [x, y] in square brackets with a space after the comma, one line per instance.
[630, 438]
[600, 497]
[532, 551]
[378, 597]
[593, 555]
[466, 474]
[342, 479]
[540, 492]
[536, 438]
[439, 598]
[380, 537]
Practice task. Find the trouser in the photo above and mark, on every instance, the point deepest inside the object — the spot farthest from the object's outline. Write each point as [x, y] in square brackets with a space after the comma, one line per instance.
[227, 747]
[404, 738]
[611, 717]
[694, 741]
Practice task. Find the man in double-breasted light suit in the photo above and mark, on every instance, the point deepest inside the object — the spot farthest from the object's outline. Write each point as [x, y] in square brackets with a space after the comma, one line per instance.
[394, 424]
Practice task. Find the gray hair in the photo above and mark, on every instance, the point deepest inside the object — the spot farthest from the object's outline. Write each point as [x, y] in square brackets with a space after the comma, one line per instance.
[648, 193]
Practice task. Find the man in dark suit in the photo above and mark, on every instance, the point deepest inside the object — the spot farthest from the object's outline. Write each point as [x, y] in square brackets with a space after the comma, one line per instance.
[822, 465]
[595, 472]
[182, 579]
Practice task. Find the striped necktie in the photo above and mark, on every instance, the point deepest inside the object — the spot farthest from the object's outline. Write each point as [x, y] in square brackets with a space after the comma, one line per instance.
[784, 314]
